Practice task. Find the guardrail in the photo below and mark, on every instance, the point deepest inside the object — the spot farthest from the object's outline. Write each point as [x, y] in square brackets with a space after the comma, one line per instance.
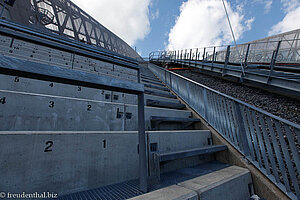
[270, 143]
[282, 52]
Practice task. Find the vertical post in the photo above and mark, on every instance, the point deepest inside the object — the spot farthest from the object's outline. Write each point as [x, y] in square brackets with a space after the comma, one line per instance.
[226, 58]
[2, 10]
[203, 54]
[213, 58]
[190, 57]
[273, 60]
[143, 167]
[241, 127]
[275, 56]
[175, 55]
[181, 55]
[196, 57]
[246, 56]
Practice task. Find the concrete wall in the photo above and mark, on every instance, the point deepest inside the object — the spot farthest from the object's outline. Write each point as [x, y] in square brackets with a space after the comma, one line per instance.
[65, 162]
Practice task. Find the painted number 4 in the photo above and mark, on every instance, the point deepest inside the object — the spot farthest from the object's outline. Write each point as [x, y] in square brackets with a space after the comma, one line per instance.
[3, 100]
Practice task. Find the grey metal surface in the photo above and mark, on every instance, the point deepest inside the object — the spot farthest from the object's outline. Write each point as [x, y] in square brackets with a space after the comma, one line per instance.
[67, 161]
[191, 152]
[28, 69]
[267, 141]
[35, 41]
[66, 19]
[130, 189]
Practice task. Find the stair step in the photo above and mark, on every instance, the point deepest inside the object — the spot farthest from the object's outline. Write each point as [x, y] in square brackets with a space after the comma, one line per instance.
[153, 82]
[172, 123]
[158, 93]
[231, 182]
[191, 152]
[167, 193]
[153, 97]
[173, 119]
[151, 79]
[164, 104]
[148, 75]
[156, 87]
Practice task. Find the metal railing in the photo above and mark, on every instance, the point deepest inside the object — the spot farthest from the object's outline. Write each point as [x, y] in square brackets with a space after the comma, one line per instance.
[282, 52]
[270, 143]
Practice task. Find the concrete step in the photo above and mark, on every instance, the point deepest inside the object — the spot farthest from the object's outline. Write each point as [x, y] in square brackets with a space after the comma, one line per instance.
[227, 182]
[153, 82]
[163, 157]
[164, 104]
[159, 93]
[156, 87]
[169, 193]
[158, 98]
[151, 78]
[172, 123]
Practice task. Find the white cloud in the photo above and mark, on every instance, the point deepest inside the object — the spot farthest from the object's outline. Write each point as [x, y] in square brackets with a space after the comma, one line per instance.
[291, 19]
[268, 5]
[204, 23]
[127, 19]
[289, 5]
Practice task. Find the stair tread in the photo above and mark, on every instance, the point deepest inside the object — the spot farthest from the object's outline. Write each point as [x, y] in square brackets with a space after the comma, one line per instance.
[179, 119]
[191, 152]
[164, 104]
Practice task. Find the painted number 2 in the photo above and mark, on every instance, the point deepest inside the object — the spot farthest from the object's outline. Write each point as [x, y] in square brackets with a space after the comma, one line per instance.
[48, 147]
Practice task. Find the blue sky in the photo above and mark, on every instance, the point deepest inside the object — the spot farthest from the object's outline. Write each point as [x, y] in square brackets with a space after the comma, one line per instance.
[151, 25]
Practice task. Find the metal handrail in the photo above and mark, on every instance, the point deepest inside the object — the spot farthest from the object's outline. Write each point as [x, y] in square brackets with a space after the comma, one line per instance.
[287, 52]
[269, 142]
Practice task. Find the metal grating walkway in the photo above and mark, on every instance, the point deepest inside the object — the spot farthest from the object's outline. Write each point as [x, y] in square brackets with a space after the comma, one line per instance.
[130, 189]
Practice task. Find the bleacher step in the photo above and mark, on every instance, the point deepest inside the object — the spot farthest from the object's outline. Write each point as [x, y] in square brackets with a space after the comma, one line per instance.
[156, 87]
[160, 93]
[161, 123]
[191, 152]
[164, 104]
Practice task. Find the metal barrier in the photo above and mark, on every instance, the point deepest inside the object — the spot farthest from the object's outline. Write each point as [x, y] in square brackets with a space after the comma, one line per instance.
[278, 52]
[270, 143]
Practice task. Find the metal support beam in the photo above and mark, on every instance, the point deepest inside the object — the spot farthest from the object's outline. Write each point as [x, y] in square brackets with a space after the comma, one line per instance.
[143, 168]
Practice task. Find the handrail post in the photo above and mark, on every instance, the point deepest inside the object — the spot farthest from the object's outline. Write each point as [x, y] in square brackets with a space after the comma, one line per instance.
[273, 60]
[241, 127]
[190, 57]
[226, 58]
[246, 56]
[203, 54]
[196, 57]
[213, 58]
